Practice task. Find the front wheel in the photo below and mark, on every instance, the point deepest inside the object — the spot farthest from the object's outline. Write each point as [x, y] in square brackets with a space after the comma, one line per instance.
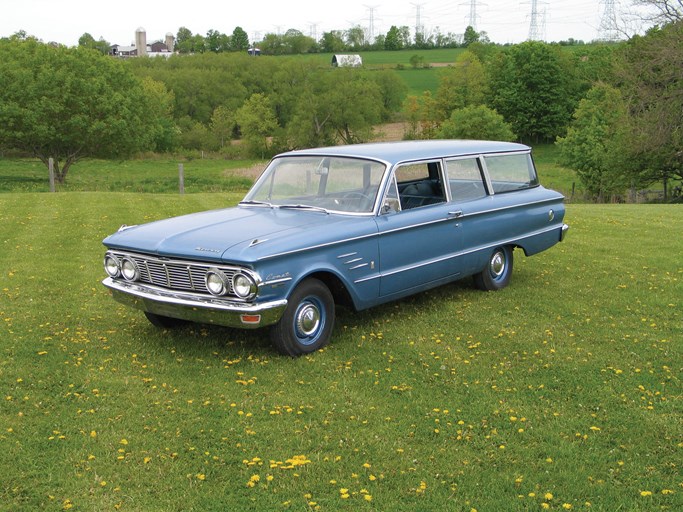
[306, 325]
[498, 270]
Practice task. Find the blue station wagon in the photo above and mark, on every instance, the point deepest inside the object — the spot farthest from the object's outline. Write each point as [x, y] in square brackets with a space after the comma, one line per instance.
[356, 225]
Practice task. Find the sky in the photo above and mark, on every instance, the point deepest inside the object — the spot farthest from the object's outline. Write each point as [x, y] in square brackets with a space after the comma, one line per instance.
[505, 21]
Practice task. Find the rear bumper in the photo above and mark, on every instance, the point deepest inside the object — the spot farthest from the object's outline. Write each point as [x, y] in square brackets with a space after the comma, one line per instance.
[563, 233]
[195, 308]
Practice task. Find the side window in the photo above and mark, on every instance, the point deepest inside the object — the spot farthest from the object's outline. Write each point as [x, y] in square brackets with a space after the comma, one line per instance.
[511, 172]
[420, 184]
[465, 179]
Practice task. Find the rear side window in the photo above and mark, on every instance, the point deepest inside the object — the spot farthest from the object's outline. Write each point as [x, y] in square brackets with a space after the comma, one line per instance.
[511, 172]
[465, 179]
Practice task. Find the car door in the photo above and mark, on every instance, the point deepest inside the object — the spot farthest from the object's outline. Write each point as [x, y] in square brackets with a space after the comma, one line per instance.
[418, 231]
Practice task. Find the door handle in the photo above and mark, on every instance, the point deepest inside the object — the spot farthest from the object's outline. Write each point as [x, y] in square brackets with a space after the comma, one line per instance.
[456, 214]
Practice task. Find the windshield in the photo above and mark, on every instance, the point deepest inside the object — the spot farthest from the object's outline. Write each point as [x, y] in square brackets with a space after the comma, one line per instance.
[314, 182]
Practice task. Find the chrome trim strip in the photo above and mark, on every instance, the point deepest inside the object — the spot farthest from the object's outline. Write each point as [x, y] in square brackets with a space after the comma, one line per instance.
[309, 248]
[358, 266]
[507, 241]
[346, 255]
[275, 281]
[411, 226]
[354, 260]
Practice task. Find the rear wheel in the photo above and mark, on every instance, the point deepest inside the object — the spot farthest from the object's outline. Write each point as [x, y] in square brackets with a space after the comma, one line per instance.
[307, 322]
[498, 270]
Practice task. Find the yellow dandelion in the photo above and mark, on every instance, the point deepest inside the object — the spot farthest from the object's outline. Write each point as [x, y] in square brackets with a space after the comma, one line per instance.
[367, 497]
[645, 494]
[201, 476]
[548, 496]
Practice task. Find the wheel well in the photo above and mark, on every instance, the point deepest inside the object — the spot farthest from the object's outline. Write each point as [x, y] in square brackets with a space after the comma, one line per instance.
[337, 288]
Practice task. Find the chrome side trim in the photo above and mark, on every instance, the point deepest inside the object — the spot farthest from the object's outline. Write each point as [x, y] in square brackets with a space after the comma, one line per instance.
[486, 247]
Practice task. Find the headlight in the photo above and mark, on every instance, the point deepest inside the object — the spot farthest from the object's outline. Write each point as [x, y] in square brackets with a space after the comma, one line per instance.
[112, 266]
[243, 286]
[129, 270]
[216, 282]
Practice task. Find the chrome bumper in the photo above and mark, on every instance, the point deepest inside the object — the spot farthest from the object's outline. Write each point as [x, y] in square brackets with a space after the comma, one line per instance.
[195, 308]
[563, 233]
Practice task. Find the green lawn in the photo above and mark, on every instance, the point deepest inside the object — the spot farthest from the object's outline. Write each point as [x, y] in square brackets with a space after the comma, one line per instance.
[563, 390]
[139, 175]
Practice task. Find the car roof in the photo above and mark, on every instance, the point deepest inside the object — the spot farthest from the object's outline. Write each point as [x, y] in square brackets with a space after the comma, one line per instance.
[395, 152]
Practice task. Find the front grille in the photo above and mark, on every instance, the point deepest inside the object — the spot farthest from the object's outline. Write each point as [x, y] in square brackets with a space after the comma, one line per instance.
[175, 274]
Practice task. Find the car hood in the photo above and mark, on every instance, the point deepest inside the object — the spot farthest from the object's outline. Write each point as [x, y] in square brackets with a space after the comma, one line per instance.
[240, 234]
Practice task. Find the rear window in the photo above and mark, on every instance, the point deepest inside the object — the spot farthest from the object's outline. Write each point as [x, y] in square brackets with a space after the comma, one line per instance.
[511, 172]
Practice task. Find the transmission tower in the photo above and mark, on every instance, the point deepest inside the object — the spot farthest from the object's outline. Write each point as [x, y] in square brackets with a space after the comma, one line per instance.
[608, 30]
[418, 24]
[534, 31]
[473, 15]
[371, 18]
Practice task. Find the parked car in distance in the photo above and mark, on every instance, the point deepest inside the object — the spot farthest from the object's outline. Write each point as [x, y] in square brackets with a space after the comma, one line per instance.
[356, 225]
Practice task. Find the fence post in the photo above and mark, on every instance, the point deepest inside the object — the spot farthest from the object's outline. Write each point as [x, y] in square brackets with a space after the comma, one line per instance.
[51, 169]
[181, 178]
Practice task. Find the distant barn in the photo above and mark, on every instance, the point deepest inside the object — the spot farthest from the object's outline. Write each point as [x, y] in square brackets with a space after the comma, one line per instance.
[350, 61]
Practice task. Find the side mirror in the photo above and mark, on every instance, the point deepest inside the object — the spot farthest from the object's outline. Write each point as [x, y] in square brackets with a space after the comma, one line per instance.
[391, 205]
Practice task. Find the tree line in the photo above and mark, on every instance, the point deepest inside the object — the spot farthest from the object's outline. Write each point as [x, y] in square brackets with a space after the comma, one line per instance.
[614, 109]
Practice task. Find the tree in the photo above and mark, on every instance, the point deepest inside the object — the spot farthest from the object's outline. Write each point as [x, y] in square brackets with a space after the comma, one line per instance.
[333, 42]
[88, 41]
[239, 40]
[662, 11]
[650, 75]
[257, 123]
[223, 124]
[393, 40]
[533, 86]
[462, 85]
[355, 38]
[476, 122]
[596, 142]
[216, 41]
[471, 36]
[70, 103]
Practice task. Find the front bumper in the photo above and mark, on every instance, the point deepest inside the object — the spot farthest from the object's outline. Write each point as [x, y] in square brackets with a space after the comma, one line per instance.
[195, 308]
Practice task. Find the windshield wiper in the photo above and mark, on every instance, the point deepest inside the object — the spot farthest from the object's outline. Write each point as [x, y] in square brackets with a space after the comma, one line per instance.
[256, 203]
[303, 207]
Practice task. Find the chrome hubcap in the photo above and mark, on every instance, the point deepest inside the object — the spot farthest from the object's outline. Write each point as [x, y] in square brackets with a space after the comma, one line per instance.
[497, 265]
[308, 319]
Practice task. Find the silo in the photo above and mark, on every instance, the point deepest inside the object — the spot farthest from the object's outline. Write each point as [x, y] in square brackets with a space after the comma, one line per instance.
[170, 41]
[141, 41]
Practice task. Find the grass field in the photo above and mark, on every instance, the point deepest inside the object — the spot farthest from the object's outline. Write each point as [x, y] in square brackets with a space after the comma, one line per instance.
[201, 175]
[560, 392]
